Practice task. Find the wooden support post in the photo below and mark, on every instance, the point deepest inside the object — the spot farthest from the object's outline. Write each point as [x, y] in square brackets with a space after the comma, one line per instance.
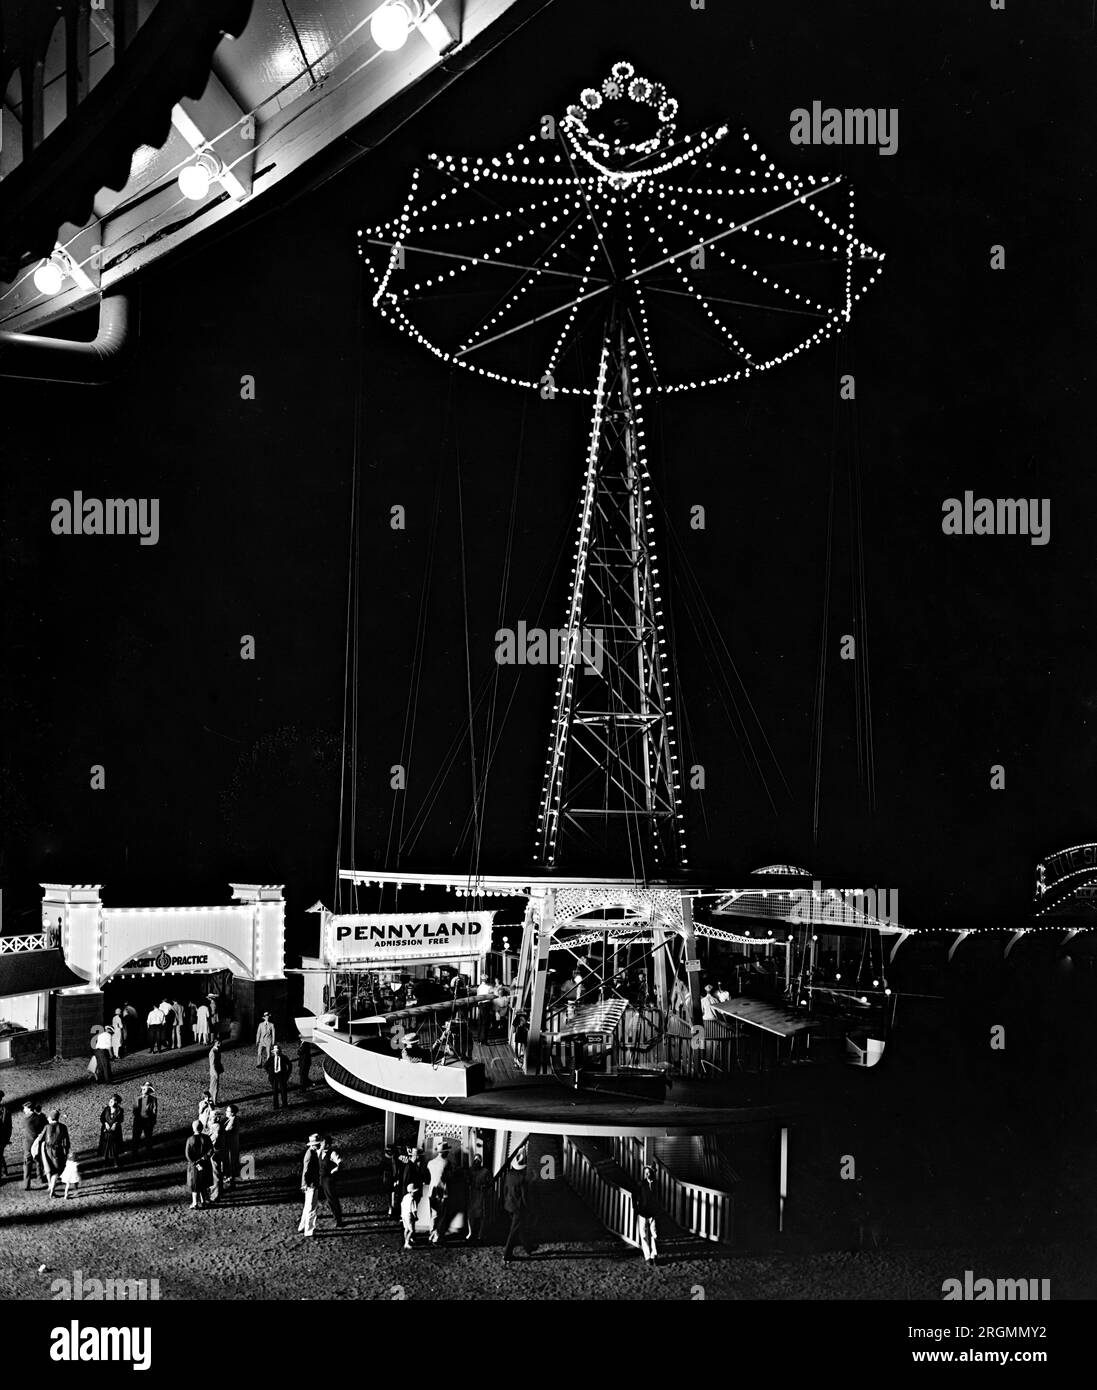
[77, 59]
[693, 965]
[547, 920]
[390, 1127]
[32, 75]
[782, 1180]
[659, 969]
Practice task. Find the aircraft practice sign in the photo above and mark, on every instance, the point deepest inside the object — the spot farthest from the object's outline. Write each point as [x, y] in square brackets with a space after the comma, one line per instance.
[393, 937]
[186, 958]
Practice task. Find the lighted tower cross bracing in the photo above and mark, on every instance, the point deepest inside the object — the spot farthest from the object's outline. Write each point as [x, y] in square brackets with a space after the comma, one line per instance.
[622, 261]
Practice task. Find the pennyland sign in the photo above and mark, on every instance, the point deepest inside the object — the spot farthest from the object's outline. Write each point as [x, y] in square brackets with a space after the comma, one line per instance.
[407, 935]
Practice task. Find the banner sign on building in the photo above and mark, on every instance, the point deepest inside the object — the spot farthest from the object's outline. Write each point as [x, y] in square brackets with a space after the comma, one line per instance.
[192, 959]
[393, 937]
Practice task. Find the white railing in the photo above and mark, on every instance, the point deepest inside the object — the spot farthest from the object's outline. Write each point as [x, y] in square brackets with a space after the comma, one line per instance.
[701, 1210]
[37, 941]
[611, 1203]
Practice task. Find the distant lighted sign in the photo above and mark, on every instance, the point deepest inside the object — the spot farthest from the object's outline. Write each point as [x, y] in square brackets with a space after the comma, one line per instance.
[1067, 861]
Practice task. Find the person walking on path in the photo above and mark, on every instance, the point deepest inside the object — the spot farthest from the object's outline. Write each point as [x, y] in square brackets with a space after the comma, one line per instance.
[196, 1152]
[277, 1068]
[264, 1041]
[205, 1112]
[399, 1178]
[516, 1205]
[34, 1122]
[231, 1131]
[168, 1032]
[409, 1207]
[218, 1153]
[55, 1146]
[101, 1045]
[177, 1017]
[144, 1117]
[155, 1025]
[216, 1069]
[110, 1131]
[5, 1136]
[117, 1034]
[310, 1186]
[436, 1168]
[304, 1063]
[330, 1163]
[645, 1203]
[201, 1025]
[479, 1185]
[71, 1174]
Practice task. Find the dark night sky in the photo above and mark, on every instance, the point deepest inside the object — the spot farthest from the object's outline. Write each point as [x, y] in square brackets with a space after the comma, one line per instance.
[981, 649]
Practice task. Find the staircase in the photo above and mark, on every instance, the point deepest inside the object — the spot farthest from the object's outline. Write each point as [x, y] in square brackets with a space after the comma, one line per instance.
[593, 1172]
[695, 1180]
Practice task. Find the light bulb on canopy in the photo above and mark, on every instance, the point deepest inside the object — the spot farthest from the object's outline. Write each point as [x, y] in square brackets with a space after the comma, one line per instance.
[195, 179]
[49, 276]
[392, 23]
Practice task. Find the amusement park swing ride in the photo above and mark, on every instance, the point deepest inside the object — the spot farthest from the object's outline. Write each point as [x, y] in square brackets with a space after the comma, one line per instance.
[629, 262]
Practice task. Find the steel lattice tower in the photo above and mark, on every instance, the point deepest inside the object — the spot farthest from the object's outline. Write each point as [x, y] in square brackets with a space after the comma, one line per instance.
[611, 756]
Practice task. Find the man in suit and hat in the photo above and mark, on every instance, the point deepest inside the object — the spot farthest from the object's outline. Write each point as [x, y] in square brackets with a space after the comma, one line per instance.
[144, 1116]
[516, 1205]
[264, 1041]
[310, 1186]
[34, 1122]
[277, 1068]
[330, 1161]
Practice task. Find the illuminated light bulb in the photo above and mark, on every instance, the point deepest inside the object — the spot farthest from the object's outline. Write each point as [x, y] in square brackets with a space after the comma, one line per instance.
[390, 26]
[195, 179]
[49, 277]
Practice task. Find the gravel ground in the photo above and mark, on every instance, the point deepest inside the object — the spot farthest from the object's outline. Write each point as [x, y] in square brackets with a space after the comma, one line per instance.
[137, 1223]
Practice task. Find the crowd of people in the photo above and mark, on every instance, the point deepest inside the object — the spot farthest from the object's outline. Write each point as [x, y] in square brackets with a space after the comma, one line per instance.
[49, 1155]
[441, 1198]
[169, 1024]
[212, 1151]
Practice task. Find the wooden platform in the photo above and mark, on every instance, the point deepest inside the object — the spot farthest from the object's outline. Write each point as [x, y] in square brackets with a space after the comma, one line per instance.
[542, 1105]
[497, 1059]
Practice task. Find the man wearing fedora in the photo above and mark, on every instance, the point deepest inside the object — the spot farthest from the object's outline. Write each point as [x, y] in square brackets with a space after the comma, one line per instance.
[310, 1186]
[277, 1068]
[144, 1117]
[516, 1205]
[264, 1041]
